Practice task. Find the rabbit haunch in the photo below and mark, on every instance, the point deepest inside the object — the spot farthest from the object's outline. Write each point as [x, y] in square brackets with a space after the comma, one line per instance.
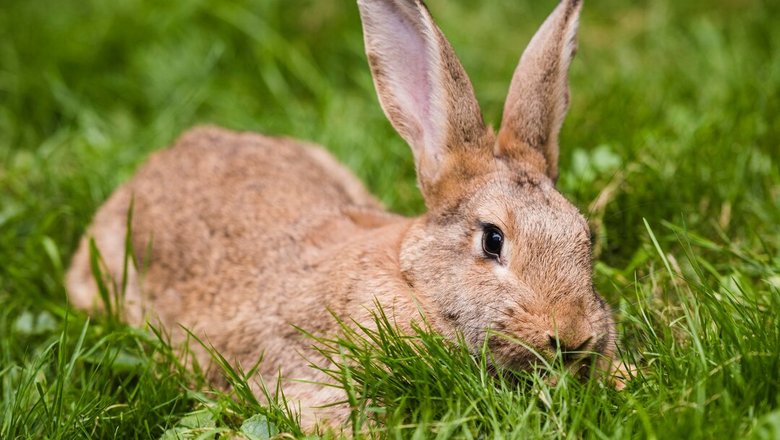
[251, 235]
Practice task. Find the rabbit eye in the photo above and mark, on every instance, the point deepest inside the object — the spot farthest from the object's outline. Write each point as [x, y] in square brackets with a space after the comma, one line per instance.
[492, 241]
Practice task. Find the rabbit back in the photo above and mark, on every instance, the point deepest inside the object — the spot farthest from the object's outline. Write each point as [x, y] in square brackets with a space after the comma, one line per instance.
[219, 222]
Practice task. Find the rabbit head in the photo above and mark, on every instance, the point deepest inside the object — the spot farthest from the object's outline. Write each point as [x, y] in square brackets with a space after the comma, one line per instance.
[499, 251]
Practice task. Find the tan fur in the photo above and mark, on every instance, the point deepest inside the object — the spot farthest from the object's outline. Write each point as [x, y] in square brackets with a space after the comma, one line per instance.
[539, 94]
[251, 235]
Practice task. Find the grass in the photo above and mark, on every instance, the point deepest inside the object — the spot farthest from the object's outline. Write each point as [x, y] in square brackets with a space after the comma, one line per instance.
[671, 147]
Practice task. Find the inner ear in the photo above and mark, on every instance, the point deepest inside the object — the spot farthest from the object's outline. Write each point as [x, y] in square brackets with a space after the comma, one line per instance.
[422, 86]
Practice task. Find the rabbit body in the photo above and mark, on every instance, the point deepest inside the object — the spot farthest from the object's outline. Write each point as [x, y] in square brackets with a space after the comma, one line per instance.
[244, 232]
[246, 237]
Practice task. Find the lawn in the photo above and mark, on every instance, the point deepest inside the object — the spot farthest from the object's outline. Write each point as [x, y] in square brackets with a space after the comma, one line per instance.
[671, 149]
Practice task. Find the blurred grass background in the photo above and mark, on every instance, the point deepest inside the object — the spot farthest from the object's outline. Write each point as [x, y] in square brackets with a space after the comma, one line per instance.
[675, 119]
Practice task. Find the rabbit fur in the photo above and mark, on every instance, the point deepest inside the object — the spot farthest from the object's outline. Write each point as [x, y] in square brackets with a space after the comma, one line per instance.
[250, 235]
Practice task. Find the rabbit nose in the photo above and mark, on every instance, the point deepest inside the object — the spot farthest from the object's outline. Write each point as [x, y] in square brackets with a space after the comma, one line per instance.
[570, 350]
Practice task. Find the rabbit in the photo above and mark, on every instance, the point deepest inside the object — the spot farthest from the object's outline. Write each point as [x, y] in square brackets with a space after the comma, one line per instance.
[249, 236]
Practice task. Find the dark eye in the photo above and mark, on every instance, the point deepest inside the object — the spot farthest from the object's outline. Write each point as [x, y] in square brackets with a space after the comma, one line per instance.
[492, 241]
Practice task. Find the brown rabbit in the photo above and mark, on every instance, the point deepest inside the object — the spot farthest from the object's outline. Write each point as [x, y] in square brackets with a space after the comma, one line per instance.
[250, 235]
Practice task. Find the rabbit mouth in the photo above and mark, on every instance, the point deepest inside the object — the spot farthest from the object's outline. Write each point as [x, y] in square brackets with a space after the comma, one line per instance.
[513, 375]
[508, 353]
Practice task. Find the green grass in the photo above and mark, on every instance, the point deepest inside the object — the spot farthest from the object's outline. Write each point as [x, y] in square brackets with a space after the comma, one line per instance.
[671, 147]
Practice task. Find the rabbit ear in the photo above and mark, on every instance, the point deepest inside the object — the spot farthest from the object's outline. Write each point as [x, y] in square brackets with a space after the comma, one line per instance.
[539, 95]
[422, 86]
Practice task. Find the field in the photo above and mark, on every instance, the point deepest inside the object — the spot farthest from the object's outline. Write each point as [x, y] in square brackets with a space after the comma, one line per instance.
[671, 148]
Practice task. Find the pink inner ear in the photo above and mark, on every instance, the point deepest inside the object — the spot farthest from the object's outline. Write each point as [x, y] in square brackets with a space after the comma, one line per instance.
[407, 54]
[407, 68]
